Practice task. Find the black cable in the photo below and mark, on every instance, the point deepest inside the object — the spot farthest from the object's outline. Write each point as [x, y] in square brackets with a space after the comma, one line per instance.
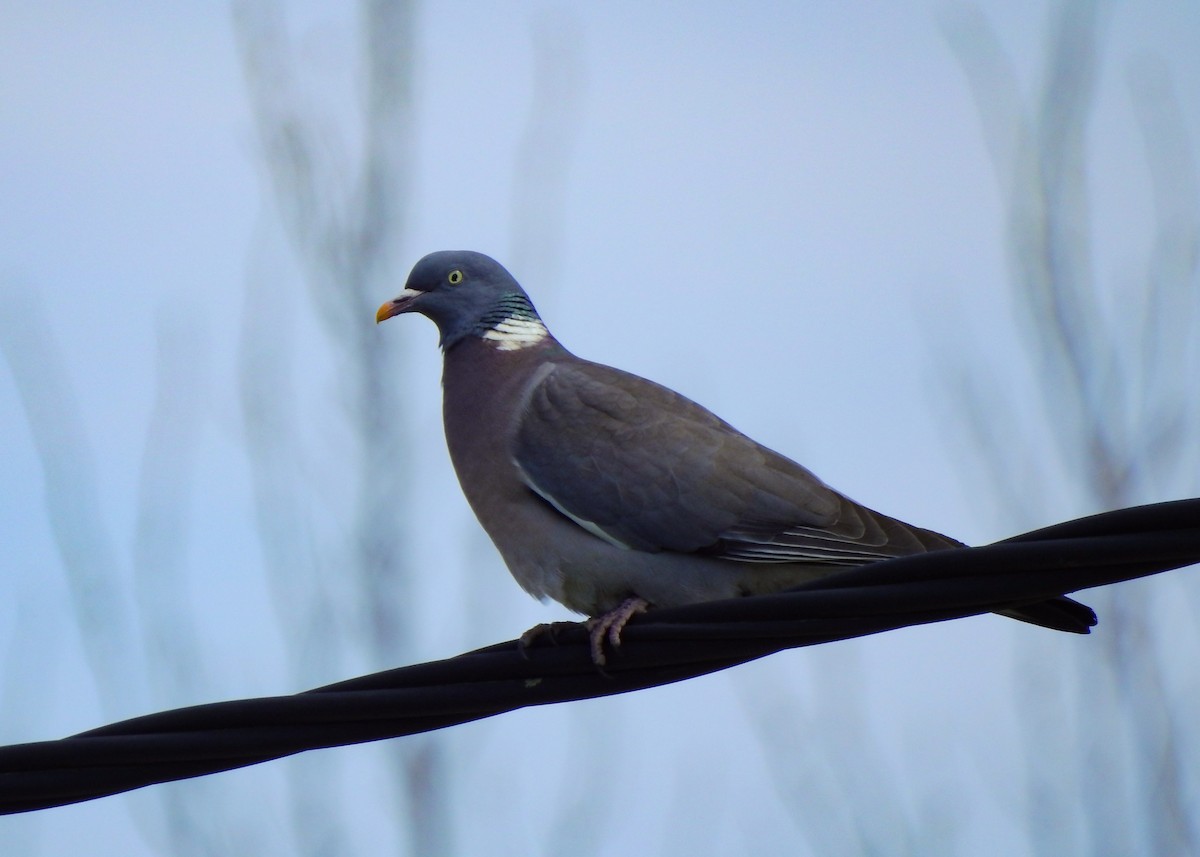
[659, 647]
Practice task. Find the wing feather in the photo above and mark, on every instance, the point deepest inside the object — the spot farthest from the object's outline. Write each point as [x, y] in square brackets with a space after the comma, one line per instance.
[648, 469]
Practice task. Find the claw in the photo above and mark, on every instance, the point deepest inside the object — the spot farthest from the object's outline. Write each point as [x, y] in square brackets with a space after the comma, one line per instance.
[610, 625]
[545, 629]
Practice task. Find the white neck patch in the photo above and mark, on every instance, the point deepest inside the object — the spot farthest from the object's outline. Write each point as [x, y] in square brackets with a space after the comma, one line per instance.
[515, 332]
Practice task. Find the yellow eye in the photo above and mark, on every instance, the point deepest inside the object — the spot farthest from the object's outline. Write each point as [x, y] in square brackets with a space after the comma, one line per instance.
[455, 277]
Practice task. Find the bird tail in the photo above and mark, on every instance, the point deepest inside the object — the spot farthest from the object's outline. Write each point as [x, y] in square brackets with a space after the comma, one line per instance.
[1059, 613]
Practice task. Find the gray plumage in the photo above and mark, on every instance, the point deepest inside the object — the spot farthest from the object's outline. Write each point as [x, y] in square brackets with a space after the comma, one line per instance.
[598, 486]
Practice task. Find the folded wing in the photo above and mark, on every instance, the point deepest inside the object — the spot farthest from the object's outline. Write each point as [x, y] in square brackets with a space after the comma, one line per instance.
[645, 468]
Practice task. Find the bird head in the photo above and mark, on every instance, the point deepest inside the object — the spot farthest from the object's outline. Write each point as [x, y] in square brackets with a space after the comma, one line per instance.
[463, 293]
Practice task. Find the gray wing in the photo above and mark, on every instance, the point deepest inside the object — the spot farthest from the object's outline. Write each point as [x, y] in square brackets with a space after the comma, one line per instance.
[645, 468]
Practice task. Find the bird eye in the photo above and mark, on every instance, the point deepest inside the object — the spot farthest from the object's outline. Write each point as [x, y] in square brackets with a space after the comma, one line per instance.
[455, 277]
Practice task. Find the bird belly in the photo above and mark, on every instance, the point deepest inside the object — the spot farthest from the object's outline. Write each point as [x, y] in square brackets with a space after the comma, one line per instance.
[555, 558]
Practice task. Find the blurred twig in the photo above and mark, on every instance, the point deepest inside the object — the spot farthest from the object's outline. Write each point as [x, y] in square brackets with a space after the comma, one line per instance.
[343, 211]
[827, 764]
[539, 210]
[93, 571]
[1117, 379]
[198, 823]
[96, 575]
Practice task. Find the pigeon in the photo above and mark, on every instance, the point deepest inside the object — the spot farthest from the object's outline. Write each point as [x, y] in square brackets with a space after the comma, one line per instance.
[612, 494]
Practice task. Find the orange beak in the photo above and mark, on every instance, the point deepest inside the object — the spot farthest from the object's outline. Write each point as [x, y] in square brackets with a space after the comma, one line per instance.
[388, 310]
[400, 304]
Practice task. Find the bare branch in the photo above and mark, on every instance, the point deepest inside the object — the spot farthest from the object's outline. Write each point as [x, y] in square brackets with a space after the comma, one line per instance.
[1117, 391]
[93, 571]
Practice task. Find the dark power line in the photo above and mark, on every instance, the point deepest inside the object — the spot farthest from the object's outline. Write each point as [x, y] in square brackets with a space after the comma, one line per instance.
[659, 647]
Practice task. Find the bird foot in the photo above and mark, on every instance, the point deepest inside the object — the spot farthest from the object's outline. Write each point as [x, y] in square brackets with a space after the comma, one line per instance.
[548, 630]
[610, 625]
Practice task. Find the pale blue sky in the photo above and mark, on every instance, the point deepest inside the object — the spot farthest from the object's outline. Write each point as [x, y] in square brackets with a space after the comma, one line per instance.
[773, 210]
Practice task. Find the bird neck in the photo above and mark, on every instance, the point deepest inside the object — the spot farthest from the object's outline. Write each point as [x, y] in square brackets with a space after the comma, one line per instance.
[511, 324]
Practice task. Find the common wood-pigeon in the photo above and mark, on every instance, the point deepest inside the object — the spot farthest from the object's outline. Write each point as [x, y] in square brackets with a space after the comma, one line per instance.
[610, 493]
